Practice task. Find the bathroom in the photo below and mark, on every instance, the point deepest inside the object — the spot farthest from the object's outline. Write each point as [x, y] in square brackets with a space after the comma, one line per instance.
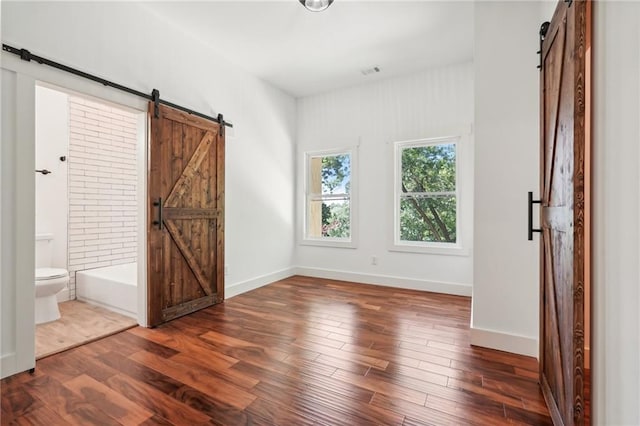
[88, 191]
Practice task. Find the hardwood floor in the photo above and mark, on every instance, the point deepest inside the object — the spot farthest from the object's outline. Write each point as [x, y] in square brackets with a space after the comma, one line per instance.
[301, 351]
[79, 323]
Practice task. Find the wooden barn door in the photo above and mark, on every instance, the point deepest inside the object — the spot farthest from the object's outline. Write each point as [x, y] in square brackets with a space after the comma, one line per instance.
[564, 174]
[186, 215]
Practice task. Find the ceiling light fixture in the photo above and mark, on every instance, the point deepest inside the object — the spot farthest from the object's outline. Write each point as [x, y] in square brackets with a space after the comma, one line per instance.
[372, 70]
[316, 5]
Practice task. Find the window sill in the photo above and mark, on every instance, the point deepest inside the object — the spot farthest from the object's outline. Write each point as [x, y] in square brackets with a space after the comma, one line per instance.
[443, 250]
[329, 243]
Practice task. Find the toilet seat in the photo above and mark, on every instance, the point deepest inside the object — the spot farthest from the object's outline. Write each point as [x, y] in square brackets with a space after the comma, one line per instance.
[43, 274]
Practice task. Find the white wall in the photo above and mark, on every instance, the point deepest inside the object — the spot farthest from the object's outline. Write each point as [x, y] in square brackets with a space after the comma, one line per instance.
[505, 278]
[147, 52]
[52, 142]
[547, 7]
[17, 229]
[428, 104]
[616, 214]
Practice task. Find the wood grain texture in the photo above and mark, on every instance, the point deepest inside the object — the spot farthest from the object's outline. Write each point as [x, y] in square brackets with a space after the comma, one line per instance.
[184, 247]
[564, 182]
[301, 351]
[79, 323]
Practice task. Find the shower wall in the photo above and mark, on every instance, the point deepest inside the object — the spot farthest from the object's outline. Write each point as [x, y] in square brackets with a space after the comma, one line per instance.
[102, 186]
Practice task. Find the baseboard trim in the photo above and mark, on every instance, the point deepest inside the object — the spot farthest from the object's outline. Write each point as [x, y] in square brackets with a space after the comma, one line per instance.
[8, 365]
[386, 280]
[504, 342]
[257, 282]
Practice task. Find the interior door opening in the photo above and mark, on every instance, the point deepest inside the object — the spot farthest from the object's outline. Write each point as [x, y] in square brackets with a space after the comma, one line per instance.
[90, 191]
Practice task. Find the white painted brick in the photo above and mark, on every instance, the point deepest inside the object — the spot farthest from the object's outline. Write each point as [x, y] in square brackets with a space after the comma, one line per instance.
[115, 237]
[75, 111]
[76, 229]
[82, 261]
[81, 119]
[95, 265]
[110, 257]
[97, 173]
[98, 253]
[102, 185]
[124, 187]
[110, 246]
[97, 185]
[79, 132]
[124, 251]
[90, 236]
[108, 223]
[74, 255]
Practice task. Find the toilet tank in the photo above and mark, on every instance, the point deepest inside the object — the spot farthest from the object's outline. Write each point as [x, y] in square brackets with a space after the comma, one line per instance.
[44, 250]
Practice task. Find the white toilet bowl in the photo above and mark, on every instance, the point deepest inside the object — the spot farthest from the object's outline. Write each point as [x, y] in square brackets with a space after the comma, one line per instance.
[49, 282]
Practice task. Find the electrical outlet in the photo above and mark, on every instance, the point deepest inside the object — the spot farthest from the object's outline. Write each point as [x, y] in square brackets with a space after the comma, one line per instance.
[374, 260]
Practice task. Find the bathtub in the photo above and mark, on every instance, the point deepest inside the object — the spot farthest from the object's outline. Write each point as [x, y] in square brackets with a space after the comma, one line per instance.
[112, 287]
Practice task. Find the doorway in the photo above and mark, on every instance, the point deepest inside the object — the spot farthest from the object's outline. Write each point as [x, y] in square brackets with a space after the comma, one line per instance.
[90, 189]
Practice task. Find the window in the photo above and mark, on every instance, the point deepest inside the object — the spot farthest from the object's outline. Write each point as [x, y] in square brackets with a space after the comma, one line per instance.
[426, 193]
[328, 193]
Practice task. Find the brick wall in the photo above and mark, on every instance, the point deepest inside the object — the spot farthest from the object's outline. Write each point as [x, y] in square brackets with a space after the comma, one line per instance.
[102, 187]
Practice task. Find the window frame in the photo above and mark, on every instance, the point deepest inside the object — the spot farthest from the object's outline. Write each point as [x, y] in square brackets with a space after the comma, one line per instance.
[429, 247]
[350, 242]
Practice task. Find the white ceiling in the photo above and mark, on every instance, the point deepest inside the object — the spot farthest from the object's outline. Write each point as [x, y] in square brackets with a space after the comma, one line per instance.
[305, 53]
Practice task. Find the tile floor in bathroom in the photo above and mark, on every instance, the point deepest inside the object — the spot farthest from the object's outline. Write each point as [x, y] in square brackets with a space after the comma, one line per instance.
[79, 323]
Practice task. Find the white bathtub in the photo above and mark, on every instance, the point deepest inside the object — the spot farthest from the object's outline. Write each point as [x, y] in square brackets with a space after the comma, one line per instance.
[113, 287]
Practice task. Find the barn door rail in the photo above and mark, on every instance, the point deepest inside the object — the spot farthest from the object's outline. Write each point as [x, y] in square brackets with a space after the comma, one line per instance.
[26, 55]
[544, 28]
[530, 204]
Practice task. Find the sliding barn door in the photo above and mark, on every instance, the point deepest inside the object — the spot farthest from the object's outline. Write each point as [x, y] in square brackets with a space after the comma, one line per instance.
[186, 215]
[564, 173]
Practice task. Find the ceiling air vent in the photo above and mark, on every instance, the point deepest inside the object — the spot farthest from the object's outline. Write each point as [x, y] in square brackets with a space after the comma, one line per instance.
[369, 71]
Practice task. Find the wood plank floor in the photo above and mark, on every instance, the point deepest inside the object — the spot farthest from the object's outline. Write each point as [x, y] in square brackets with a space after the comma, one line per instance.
[301, 351]
[79, 323]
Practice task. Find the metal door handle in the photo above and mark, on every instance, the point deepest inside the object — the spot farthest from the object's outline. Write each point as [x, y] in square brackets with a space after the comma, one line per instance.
[43, 171]
[530, 229]
[158, 204]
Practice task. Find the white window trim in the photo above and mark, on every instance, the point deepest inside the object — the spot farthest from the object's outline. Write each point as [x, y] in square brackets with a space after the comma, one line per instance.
[451, 249]
[351, 242]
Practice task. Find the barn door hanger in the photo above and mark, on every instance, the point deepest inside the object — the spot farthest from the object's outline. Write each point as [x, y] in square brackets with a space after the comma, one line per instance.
[543, 33]
[530, 204]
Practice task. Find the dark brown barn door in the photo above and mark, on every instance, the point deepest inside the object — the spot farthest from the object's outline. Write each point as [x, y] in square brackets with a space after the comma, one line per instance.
[564, 174]
[186, 215]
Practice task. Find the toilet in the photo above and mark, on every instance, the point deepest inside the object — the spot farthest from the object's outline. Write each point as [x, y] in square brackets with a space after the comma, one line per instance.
[49, 281]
